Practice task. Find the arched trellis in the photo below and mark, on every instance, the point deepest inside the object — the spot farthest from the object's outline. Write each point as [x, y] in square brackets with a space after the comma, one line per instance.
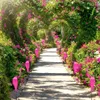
[62, 11]
[26, 16]
[9, 24]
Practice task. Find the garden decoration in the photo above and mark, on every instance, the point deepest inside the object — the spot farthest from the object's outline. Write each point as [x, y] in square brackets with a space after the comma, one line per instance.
[27, 65]
[92, 83]
[73, 24]
[37, 52]
[15, 83]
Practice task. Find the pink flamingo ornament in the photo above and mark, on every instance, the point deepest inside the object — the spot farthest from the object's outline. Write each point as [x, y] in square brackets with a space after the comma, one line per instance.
[37, 52]
[15, 83]
[92, 83]
[27, 65]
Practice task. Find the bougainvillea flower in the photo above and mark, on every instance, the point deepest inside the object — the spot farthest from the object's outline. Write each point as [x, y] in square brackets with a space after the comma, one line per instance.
[89, 60]
[72, 8]
[2, 12]
[99, 77]
[18, 46]
[43, 2]
[88, 75]
[98, 27]
[84, 46]
[98, 60]
[99, 92]
[43, 42]
[64, 56]
[5, 25]
[30, 58]
[0, 18]
[77, 67]
[29, 16]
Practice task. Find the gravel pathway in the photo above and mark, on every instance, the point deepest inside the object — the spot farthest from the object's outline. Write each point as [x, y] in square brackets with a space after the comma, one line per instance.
[50, 80]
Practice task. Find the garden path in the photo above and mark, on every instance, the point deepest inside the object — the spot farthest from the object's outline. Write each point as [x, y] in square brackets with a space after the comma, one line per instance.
[50, 80]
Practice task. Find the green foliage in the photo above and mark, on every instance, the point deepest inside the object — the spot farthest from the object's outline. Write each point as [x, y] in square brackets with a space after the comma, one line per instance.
[70, 53]
[8, 60]
[4, 88]
[98, 35]
[41, 34]
[86, 51]
[9, 24]
[87, 31]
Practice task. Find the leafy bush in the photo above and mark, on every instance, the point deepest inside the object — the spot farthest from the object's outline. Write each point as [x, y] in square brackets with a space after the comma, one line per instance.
[41, 34]
[86, 50]
[70, 53]
[4, 88]
[8, 60]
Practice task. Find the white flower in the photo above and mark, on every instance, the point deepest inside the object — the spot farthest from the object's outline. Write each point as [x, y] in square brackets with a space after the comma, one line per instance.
[97, 53]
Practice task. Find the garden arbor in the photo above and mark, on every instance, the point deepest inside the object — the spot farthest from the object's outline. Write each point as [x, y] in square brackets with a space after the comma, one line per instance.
[25, 24]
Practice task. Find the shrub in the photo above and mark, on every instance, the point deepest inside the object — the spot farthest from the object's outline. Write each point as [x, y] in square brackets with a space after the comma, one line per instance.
[70, 53]
[4, 88]
[41, 34]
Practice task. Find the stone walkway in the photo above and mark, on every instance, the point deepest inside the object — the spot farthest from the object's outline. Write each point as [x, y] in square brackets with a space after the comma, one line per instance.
[50, 80]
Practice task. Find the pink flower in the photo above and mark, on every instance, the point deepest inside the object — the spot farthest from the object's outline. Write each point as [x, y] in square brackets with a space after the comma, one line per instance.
[5, 25]
[98, 60]
[0, 18]
[21, 51]
[54, 18]
[2, 11]
[39, 17]
[65, 56]
[43, 2]
[27, 48]
[18, 46]
[99, 77]
[30, 59]
[88, 75]
[84, 81]
[77, 67]
[98, 27]
[89, 60]
[92, 83]
[99, 92]
[81, 75]
[73, 8]
[29, 16]
[56, 36]
[84, 46]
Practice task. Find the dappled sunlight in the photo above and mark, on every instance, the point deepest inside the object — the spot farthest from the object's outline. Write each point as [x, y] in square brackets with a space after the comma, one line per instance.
[52, 81]
[49, 49]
